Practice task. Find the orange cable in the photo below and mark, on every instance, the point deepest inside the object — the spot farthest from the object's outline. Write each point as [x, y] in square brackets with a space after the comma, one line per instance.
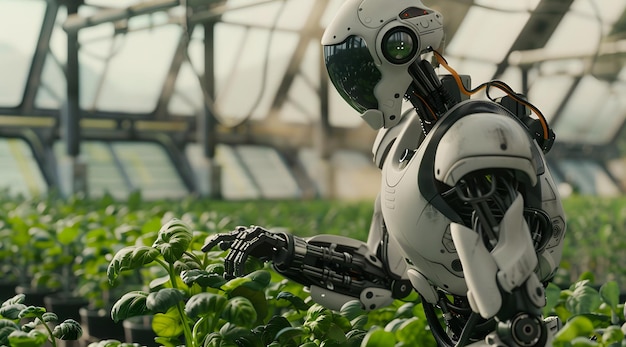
[497, 84]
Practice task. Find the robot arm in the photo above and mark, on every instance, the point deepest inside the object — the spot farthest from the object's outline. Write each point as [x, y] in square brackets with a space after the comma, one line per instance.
[336, 269]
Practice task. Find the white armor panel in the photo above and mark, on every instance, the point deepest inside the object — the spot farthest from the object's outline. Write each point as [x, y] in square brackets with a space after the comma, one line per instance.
[416, 215]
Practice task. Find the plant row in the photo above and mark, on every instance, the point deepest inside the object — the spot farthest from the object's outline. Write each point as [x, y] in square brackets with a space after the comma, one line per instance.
[143, 259]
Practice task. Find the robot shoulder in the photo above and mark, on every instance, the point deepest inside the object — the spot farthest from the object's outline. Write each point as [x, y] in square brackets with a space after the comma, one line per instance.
[479, 137]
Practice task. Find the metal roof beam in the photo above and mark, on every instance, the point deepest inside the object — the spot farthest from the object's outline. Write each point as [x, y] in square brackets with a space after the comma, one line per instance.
[538, 29]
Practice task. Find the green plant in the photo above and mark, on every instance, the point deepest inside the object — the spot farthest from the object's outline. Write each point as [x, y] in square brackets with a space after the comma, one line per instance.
[110, 230]
[592, 317]
[22, 325]
[192, 298]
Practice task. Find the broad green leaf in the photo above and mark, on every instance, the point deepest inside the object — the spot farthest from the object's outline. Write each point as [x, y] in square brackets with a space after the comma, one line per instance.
[335, 334]
[352, 309]
[583, 341]
[17, 299]
[296, 301]
[160, 340]
[32, 312]
[318, 320]
[260, 279]
[359, 322]
[161, 300]
[234, 283]
[173, 240]
[217, 340]
[553, 292]
[6, 328]
[584, 299]
[405, 311]
[23, 339]
[67, 232]
[412, 332]
[342, 322]
[128, 258]
[355, 337]
[269, 331]
[612, 334]
[240, 311]
[291, 333]
[202, 278]
[11, 311]
[577, 326]
[232, 332]
[167, 324]
[217, 268]
[379, 338]
[40, 238]
[31, 325]
[256, 297]
[49, 317]
[205, 304]
[68, 330]
[610, 294]
[598, 320]
[130, 305]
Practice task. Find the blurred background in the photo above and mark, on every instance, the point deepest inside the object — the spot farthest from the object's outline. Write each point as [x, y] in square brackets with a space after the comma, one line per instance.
[230, 98]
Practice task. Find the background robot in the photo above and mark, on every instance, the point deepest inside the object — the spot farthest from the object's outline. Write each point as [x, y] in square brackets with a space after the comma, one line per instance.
[468, 214]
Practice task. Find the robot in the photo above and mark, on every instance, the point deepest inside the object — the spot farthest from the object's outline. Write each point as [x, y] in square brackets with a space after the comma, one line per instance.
[468, 213]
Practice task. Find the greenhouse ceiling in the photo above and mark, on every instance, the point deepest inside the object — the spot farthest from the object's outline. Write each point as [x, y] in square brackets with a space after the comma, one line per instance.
[266, 57]
[158, 64]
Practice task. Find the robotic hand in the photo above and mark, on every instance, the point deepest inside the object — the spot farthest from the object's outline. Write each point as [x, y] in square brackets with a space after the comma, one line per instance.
[335, 269]
[468, 214]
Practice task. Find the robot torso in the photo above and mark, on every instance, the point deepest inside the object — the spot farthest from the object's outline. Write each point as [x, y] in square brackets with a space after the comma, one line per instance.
[418, 178]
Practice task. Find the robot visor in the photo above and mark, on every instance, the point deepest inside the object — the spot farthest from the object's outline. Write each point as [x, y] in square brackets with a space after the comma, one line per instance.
[352, 71]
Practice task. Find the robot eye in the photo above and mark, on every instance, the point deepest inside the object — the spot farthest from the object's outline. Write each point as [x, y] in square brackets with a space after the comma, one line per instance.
[399, 45]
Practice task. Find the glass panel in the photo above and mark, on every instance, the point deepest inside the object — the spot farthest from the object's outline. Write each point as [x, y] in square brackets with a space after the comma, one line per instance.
[486, 34]
[20, 174]
[137, 70]
[303, 102]
[282, 15]
[21, 21]
[149, 169]
[340, 113]
[607, 122]
[548, 92]
[187, 98]
[98, 44]
[578, 34]
[588, 177]
[580, 114]
[246, 82]
[58, 40]
[52, 91]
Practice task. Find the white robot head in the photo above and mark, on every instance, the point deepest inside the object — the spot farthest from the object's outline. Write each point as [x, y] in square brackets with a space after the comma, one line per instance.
[368, 49]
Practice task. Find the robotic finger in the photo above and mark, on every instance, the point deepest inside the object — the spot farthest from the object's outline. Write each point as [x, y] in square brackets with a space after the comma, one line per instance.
[244, 242]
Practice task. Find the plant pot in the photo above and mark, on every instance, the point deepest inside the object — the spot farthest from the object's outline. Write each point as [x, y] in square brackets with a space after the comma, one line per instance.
[34, 296]
[139, 330]
[64, 306]
[98, 325]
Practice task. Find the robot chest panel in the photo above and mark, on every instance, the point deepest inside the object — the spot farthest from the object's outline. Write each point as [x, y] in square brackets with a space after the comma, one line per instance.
[422, 231]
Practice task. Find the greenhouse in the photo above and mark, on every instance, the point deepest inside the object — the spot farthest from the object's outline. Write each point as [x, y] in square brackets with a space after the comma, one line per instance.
[137, 137]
